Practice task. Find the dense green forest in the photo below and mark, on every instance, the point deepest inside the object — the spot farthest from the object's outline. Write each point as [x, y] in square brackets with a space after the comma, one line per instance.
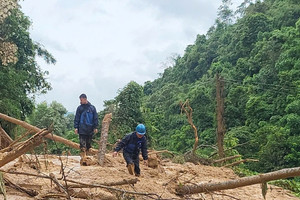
[256, 51]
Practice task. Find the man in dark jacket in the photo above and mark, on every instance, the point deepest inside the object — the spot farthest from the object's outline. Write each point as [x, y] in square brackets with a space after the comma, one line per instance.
[132, 144]
[85, 124]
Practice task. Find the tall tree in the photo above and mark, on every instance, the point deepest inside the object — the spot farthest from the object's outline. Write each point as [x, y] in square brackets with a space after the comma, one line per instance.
[20, 75]
[128, 109]
[44, 115]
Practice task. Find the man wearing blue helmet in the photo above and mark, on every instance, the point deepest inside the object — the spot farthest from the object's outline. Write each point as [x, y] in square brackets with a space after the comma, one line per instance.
[132, 144]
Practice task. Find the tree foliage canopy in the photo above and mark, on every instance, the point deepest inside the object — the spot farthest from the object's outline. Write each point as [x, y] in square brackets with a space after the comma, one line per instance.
[20, 75]
[257, 52]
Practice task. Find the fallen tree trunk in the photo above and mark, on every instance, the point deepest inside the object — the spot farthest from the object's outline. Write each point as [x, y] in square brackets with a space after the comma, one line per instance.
[30, 192]
[49, 136]
[28, 145]
[95, 185]
[103, 140]
[240, 161]
[226, 159]
[5, 139]
[162, 151]
[251, 180]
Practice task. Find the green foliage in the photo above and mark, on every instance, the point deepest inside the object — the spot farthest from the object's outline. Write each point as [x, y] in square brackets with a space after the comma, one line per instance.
[44, 115]
[290, 184]
[126, 110]
[178, 159]
[19, 82]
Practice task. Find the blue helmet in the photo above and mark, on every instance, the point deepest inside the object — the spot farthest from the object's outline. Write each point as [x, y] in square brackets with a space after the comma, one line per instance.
[140, 129]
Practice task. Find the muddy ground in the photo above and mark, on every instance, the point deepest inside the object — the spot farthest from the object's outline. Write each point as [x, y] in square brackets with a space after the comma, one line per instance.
[160, 181]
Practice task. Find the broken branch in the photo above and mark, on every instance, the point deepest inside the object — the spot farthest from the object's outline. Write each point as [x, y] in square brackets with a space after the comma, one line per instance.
[86, 185]
[28, 145]
[163, 151]
[226, 159]
[241, 161]
[30, 192]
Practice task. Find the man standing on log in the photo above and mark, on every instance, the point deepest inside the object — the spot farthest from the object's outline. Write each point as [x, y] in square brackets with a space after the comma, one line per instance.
[131, 145]
[85, 124]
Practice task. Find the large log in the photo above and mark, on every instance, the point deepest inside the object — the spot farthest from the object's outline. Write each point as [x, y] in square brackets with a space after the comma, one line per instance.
[103, 140]
[251, 180]
[28, 145]
[49, 136]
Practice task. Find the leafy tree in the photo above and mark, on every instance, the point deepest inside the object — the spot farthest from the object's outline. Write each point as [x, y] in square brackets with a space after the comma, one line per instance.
[20, 76]
[44, 115]
[126, 109]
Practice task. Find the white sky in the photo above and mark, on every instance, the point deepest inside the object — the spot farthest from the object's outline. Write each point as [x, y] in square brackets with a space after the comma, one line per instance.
[102, 45]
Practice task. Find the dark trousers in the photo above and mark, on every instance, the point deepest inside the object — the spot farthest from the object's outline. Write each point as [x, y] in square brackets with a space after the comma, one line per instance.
[85, 141]
[132, 159]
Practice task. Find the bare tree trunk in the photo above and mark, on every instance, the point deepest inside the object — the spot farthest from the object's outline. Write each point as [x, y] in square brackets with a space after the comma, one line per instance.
[189, 113]
[220, 115]
[28, 145]
[5, 139]
[251, 180]
[49, 136]
[103, 140]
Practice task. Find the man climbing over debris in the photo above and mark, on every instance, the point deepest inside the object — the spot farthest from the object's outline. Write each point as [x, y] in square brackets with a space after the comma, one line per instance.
[85, 124]
[132, 144]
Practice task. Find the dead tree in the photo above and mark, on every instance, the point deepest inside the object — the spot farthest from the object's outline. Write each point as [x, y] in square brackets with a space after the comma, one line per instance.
[241, 182]
[189, 113]
[220, 115]
[103, 140]
[49, 136]
[24, 147]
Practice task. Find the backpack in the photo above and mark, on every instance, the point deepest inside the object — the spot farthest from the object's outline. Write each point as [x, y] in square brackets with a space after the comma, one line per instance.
[87, 120]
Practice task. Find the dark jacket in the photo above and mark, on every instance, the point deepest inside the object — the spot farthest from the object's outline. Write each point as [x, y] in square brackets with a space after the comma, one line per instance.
[132, 144]
[80, 122]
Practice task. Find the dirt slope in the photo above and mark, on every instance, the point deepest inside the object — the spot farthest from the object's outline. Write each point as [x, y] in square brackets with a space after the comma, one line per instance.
[159, 181]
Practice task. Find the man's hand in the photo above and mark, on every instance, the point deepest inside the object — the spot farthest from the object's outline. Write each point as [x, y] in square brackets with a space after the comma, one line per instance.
[146, 163]
[76, 131]
[115, 153]
[95, 130]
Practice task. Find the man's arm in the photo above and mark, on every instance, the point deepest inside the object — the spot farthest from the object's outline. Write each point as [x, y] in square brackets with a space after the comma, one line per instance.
[95, 120]
[144, 149]
[122, 143]
[77, 118]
